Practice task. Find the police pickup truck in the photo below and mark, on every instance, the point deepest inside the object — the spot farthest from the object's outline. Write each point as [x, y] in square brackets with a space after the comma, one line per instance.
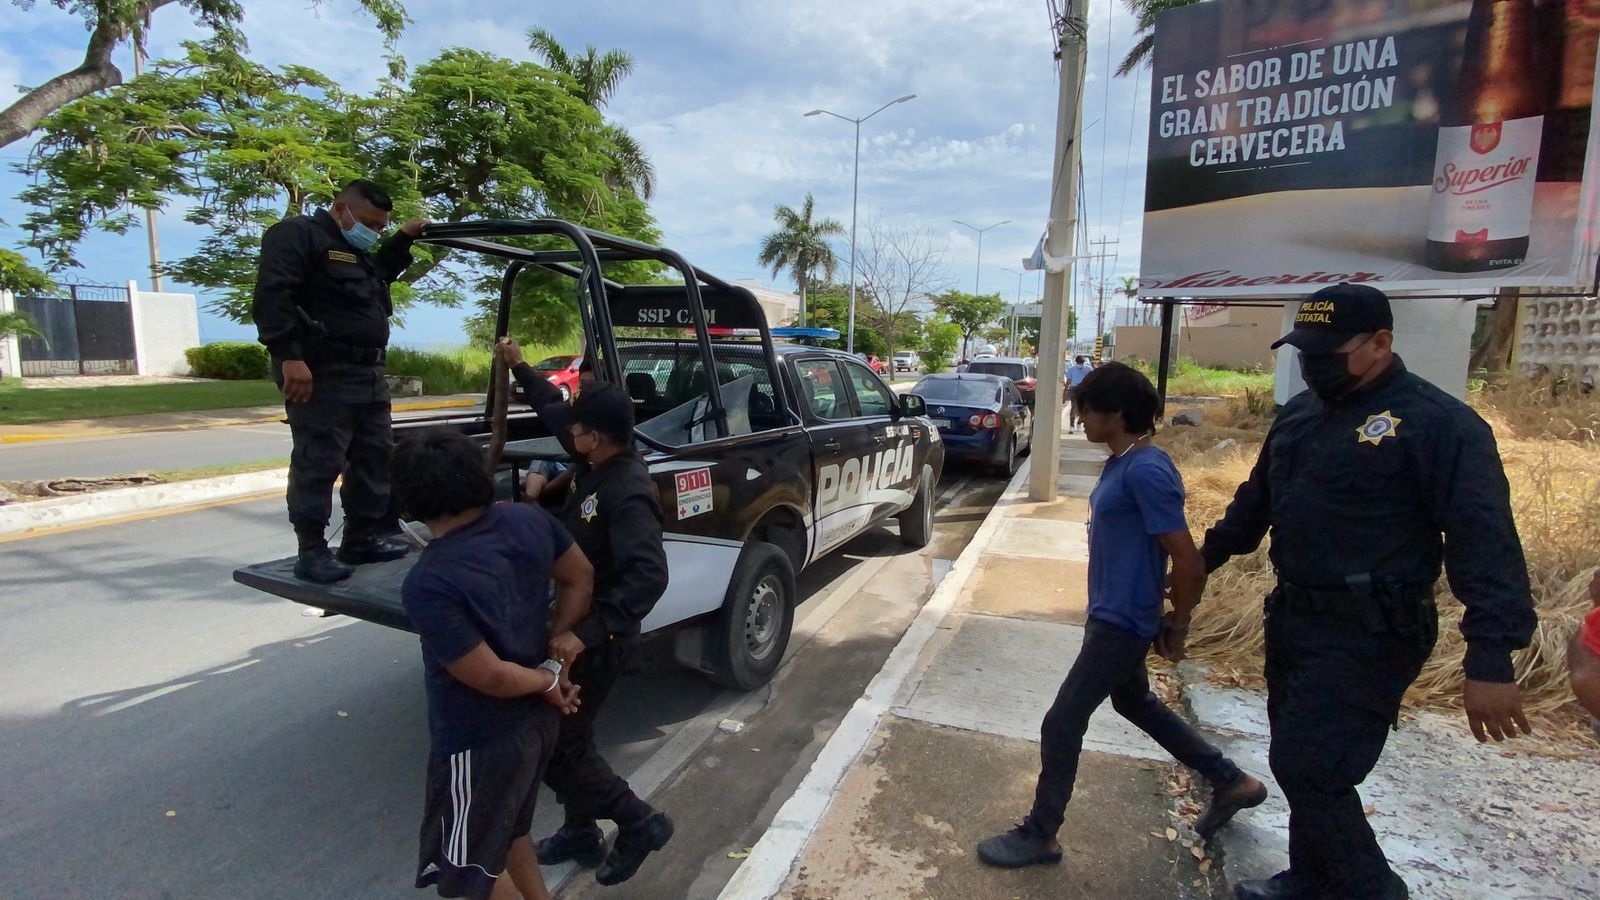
[768, 457]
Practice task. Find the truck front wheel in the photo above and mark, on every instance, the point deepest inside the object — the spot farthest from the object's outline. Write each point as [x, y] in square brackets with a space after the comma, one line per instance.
[752, 631]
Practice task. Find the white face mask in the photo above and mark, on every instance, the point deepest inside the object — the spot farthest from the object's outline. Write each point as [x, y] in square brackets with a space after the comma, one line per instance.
[358, 234]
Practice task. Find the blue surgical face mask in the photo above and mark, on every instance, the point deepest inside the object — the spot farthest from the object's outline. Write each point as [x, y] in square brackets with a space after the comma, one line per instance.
[358, 234]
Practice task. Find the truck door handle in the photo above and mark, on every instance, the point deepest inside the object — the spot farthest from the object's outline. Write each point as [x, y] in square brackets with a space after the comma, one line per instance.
[831, 445]
[878, 439]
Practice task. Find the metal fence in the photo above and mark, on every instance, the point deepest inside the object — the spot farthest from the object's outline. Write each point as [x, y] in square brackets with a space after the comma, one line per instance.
[87, 332]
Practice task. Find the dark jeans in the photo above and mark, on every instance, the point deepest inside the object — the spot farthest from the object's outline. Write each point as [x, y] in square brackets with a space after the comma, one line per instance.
[1334, 686]
[581, 778]
[1111, 664]
[331, 438]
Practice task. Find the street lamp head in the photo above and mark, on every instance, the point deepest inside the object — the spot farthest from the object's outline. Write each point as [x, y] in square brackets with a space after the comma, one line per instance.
[907, 97]
[815, 112]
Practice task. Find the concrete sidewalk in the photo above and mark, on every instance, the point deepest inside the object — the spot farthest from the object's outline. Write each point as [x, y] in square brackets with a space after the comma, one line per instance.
[953, 756]
[110, 426]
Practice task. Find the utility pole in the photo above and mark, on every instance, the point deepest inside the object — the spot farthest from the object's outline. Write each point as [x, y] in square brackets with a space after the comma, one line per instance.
[1072, 36]
[149, 214]
[1100, 301]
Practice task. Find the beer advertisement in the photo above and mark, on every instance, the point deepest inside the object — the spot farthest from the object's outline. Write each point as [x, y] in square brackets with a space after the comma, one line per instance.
[1433, 146]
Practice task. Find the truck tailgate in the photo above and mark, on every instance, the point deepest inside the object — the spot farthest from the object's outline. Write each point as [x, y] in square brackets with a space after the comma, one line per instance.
[372, 593]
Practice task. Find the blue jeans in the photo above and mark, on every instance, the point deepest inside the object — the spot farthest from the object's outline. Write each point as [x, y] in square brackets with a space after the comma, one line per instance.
[1111, 664]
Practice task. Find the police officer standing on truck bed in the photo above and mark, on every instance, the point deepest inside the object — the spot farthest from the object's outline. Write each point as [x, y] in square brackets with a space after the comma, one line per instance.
[1369, 481]
[613, 512]
[322, 309]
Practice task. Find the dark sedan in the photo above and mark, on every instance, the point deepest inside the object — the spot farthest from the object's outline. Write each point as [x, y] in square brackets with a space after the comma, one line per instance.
[980, 417]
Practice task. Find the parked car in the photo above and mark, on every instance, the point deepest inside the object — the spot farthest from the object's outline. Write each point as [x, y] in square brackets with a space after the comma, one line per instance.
[877, 363]
[1024, 373]
[907, 361]
[981, 418]
[561, 371]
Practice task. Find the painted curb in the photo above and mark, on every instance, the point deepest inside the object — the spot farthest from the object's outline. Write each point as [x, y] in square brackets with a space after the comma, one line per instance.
[764, 872]
[21, 518]
[219, 423]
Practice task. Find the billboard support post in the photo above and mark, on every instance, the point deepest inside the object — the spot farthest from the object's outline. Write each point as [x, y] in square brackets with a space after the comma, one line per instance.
[1165, 365]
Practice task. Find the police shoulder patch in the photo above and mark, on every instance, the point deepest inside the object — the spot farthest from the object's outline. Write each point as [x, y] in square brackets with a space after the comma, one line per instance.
[1377, 428]
[341, 256]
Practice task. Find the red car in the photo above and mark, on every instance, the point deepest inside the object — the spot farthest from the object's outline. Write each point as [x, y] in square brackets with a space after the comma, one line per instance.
[881, 366]
[561, 371]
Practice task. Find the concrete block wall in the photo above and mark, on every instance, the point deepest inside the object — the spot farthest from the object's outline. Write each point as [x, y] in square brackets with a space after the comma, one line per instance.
[10, 350]
[164, 325]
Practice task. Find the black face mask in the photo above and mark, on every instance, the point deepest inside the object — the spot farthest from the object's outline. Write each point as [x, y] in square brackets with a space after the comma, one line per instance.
[1328, 375]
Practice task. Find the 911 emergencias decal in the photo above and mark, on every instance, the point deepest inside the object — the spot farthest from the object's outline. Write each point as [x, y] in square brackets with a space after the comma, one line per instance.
[694, 493]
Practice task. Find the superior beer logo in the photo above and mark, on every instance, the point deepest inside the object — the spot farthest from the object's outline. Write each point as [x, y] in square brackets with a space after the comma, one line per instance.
[1463, 180]
[1485, 137]
[850, 483]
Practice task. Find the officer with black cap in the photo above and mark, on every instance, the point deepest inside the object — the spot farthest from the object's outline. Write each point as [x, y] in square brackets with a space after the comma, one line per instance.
[613, 511]
[1369, 481]
[322, 309]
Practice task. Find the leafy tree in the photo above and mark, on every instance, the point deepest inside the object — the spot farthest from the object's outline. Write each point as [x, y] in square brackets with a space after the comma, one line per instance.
[110, 23]
[595, 77]
[939, 340]
[19, 277]
[800, 247]
[470, 135]
[1146, 12]
[969, 312]
[899, 267]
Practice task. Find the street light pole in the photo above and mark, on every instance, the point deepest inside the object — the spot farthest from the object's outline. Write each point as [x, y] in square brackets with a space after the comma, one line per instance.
[1016, 330]
[978, 278]
[855, 192]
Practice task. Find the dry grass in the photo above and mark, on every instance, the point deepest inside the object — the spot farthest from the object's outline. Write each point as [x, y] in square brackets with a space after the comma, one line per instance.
[1548, 441]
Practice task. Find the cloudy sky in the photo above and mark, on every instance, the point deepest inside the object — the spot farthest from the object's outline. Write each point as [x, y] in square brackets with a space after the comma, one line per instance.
[717, 99]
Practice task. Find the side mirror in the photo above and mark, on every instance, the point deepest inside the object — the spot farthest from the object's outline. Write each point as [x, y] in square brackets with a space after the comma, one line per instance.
[912, 406]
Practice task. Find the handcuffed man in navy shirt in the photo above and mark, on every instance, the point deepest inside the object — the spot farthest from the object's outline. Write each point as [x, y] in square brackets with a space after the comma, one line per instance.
[1136, 523]
[479, 598]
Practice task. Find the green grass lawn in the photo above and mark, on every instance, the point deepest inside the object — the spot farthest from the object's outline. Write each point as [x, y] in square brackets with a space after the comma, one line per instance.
[1189, 379]
[24, 406]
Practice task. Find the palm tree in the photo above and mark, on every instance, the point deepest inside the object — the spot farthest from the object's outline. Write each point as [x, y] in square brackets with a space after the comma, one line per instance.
[1146, 12]
[800, 246]
[596, 77]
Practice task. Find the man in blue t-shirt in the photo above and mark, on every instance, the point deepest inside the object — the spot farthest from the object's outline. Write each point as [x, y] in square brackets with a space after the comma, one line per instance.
[479, 598]
[1136, 524]
[1075, 374]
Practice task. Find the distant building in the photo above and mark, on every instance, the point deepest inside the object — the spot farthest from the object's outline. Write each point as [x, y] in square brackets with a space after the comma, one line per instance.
[781, 307]
[1211, 334]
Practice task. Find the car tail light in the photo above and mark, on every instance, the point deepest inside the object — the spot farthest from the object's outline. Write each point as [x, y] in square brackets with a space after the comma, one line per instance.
[986, 420]
[1027, 383]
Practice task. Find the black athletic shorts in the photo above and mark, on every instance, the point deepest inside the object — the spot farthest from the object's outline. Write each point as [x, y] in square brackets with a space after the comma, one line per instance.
[478, 802]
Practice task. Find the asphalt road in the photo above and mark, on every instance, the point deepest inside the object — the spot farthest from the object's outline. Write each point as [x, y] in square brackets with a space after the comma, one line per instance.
[150, 451]
[166, 733]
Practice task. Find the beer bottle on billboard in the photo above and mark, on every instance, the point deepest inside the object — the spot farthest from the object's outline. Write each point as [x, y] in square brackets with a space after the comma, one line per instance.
[1481, 210]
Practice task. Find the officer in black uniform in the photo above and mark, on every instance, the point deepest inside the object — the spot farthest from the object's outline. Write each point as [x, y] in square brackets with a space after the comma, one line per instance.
[1369, 481]
[322, 308]
[613, 512]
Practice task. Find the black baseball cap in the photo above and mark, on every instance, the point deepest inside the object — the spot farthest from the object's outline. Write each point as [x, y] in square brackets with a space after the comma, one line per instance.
[1331, 316]
[601, 406]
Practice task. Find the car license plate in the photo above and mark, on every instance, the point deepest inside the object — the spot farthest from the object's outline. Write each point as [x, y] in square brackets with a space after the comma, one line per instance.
[945, 423]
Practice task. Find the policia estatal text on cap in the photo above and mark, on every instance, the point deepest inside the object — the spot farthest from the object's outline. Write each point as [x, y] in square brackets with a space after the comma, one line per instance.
[322, 309]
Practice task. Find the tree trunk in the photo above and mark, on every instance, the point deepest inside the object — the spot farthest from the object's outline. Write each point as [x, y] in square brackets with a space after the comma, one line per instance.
[1494, 354]
[802, 320]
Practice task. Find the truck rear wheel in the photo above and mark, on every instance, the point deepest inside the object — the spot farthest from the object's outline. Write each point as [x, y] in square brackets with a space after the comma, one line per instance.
[916, 523]
[752, 631]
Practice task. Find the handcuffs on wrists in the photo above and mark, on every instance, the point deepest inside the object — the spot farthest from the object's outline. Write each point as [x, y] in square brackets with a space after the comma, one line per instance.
[553, 666]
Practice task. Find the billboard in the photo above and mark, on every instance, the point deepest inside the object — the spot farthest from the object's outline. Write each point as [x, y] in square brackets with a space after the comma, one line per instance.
[1435, 146]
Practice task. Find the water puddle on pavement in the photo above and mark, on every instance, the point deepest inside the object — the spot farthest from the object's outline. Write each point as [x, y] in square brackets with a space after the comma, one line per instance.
[941, 568]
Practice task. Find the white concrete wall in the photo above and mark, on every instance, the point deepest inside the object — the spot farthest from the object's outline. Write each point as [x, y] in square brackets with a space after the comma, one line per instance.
[10, 349]
[1433, 336]
[164, 325]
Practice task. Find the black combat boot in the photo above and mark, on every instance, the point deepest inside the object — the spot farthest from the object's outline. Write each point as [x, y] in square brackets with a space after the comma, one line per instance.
[364, 543]
[315, 563]
[582, 845]
[633, 844]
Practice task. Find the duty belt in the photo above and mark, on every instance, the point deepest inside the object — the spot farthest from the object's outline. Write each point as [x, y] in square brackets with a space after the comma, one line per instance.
[1380, 605]
[326, 350]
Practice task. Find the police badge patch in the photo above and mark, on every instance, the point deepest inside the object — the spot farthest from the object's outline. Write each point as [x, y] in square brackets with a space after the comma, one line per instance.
[590, 507]
[1377, 428]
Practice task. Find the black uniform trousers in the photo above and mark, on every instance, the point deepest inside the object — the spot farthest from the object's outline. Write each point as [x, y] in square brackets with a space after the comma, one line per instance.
[1335, 680]
[1111, 664]
[581, 778]
[344, 430]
